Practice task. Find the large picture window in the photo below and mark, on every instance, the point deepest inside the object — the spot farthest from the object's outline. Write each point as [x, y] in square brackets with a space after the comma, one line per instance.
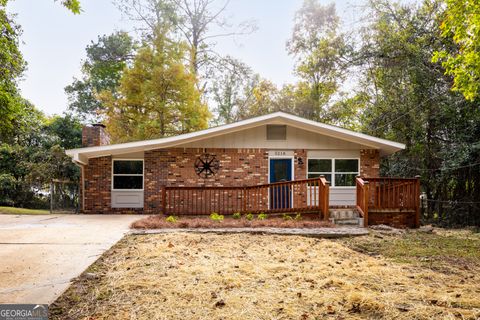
[339, 172]
[127, 174]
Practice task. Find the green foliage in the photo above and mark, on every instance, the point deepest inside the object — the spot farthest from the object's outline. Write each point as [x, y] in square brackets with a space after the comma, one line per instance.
[106, 60]
[262, 216]
[287, 217]
[216, 217]
[249, 216]
[72, 5]
[230, 90]
[171, 219]
[410, 100]
[298, 216]
[461, 24]
[318, 48]
[157, 96]
[12, 66]
[237, 215]
[34, 154]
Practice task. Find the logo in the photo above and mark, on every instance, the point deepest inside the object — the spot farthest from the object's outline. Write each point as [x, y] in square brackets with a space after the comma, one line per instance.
[23, 311]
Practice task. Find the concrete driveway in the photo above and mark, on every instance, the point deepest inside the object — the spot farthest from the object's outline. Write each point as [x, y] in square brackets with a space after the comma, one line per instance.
[39, 255]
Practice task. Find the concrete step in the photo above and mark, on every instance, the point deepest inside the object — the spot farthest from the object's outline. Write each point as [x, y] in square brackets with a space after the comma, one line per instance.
[348, 222]
[343, 214]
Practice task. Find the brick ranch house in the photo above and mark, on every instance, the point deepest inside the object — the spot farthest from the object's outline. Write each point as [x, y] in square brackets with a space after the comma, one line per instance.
[149, 176]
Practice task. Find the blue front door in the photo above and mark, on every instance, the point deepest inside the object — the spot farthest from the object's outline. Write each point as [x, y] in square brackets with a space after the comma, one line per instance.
[280, 171]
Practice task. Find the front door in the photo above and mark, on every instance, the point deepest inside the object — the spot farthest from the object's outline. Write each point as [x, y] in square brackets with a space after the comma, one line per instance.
[280, 195]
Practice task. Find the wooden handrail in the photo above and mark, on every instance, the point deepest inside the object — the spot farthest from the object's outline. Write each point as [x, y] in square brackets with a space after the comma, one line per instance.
[362, 198]
[388, 194]
[324, 196]
[290, 196]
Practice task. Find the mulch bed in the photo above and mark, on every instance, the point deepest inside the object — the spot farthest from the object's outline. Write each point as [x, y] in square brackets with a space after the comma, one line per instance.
[187, 222]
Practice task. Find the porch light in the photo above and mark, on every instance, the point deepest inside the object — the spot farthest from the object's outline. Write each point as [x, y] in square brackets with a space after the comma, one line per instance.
[300, 161]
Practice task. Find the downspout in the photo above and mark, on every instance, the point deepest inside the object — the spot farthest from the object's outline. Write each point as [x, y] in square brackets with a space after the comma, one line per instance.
[82, 183]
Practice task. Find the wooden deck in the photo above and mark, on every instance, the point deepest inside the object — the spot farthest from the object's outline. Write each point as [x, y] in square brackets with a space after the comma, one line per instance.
[397, 198]
[309, 195]
[378, 200]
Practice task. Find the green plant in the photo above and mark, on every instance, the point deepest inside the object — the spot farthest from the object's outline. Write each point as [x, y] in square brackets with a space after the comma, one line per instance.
[216, 217]
[237, 215]
[171, 219]
[298, 216]
[249, 217]
[262, 216]
[287, 217]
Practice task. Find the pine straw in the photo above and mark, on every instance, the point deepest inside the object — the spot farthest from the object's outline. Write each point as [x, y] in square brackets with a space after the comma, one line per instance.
[159, 222]
[193, 276]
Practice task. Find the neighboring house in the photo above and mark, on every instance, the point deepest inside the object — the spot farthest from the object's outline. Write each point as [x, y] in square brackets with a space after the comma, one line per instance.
[129, 177]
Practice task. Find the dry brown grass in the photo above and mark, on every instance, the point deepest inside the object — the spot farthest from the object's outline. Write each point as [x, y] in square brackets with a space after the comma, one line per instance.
[193, 276]
[159, 222]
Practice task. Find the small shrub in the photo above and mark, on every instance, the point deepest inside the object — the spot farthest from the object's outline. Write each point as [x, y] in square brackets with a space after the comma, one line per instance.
[237, 215]
[287, 217]
[216, 217]
[262, 216]
[298, 216]
[171, 219]
[249, 217]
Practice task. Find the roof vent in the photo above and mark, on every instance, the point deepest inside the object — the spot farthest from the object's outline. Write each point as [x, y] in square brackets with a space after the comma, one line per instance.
[276, 132]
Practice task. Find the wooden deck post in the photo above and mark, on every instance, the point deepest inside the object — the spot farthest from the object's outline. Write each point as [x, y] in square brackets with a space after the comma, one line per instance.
[365, 202]
[417, 202]
[327, 200]
[164, 200]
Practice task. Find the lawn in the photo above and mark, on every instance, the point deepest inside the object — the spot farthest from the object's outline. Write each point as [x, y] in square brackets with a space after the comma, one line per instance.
[12, 210]
[193, 276]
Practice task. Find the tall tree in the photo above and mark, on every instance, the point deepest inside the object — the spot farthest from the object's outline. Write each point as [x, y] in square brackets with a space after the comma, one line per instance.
[461, 23]
[102, 70]
[35, 154]
[197, 22]
[318, 48]
[409, 100]
[231, 90]
[157, 96]
[12, 66]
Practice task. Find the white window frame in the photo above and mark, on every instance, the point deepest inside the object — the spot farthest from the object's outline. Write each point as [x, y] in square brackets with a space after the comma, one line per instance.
[129, 174]
[332, 173]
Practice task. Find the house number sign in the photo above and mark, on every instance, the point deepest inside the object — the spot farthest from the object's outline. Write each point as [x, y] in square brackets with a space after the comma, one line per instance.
[280, 153]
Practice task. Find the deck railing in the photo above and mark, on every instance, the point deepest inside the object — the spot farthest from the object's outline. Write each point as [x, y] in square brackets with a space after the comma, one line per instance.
[388, 194]
[310, 195]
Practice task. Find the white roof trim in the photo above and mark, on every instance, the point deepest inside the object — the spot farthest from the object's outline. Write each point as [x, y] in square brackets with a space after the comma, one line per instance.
[82, 155]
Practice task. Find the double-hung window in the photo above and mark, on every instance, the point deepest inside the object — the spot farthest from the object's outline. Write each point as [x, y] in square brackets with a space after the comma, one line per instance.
[339, 172]
[127, 174]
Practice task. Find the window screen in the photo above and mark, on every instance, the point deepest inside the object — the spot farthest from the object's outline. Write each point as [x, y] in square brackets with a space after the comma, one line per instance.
[276, 132]
[127, 174]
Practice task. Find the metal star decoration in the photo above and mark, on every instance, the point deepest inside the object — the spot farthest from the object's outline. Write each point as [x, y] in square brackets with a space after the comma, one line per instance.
[206, 165]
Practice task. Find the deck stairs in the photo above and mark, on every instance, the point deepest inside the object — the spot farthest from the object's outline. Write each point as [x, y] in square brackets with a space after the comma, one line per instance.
[346, 217]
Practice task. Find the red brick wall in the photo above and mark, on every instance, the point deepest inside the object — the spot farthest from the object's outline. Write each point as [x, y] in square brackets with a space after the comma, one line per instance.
[369, 163]
[97, 182]
[397, 219]
[174, 167]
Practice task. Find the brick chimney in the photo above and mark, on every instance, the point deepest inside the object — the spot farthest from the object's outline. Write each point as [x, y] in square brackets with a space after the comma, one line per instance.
[95, 135]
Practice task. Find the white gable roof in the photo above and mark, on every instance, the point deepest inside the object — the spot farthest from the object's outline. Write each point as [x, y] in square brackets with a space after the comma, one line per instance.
[386, 147]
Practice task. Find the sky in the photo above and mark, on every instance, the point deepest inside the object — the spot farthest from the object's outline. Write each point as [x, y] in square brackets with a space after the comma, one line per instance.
[54, 41]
